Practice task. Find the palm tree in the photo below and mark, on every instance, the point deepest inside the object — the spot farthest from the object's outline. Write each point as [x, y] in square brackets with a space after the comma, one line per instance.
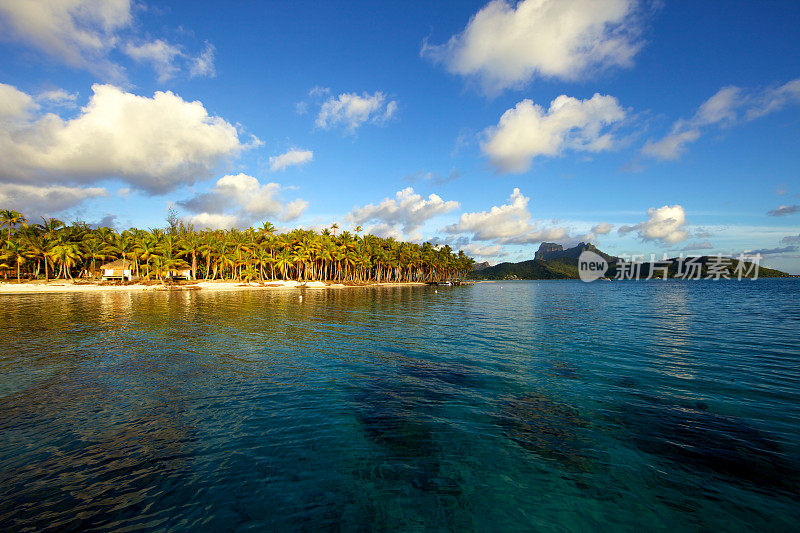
[18, 252]
[284, 262]
[39, 245]
[68, 254]
[11, 218]
[234, 254]
[93, 249]
[267, 229]
[190, 244]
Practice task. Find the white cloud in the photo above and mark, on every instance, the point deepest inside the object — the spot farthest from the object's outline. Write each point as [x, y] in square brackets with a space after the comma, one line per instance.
[202, 66]
[507, 224]
[58, 97]
[672, 146]
[350, 111]
[80, 33]
[722, 110]
[293, 210]
[719, 109]
[168, 59]
[290, 158]
[407, 210]
[474, 249]
[213, 221]
[528, 130]
[84, 33]
[240, 199]
[602, 229]
[35, 201]
[153, 144]
[158, 53]
[15, 104]
[774, 99]
[506, 45]
[666, 225]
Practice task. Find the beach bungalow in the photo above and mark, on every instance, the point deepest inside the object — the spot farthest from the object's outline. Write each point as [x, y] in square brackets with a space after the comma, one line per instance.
[119, 269]
[181, 273]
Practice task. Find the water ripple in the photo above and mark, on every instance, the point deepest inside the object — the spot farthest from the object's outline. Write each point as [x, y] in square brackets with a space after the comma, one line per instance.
[535, 405]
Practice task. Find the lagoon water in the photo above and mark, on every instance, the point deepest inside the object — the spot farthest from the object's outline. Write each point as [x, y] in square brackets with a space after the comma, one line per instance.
[552, 405]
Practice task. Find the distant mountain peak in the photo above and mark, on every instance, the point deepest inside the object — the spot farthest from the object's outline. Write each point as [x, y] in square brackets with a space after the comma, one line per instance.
[550, 250]
[547, 250]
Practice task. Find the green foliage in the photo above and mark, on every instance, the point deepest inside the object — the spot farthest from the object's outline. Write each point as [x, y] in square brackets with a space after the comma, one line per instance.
[259, 254]
[565, 266]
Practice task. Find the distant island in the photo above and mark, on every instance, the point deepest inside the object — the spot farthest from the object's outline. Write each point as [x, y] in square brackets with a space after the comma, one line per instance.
[552, 261]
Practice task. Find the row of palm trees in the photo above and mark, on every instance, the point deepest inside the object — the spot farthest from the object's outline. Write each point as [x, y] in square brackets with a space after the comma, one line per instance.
[54, 249]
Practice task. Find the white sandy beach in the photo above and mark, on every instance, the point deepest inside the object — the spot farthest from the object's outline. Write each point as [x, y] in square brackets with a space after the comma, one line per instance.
[68, 286]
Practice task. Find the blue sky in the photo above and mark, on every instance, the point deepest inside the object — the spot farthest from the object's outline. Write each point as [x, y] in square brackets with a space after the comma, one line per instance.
[644, 127]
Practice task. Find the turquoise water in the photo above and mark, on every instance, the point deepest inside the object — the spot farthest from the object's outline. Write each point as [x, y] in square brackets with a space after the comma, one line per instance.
[551, 405]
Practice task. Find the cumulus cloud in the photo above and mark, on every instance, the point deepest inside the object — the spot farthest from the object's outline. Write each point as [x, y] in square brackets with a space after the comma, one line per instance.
[214, 221]
[470, 248]
[84, 33]
[528, 130]
[407, 211]
[293, 210]
[507, 44]
[729, 106]
[293, 157]
[239, 200]
[80, 33]
[665, 225]
[784, 210]
[36, 201]
[15, 104]
[153, 144]
[474, 249]
[602, 229]
[350, 111]
[506, 224]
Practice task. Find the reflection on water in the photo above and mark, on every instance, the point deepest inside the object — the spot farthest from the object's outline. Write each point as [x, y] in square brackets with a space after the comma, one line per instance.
[534, 405]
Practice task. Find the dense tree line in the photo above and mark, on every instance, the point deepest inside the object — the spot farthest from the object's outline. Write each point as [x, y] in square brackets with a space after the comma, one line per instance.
[53, 249]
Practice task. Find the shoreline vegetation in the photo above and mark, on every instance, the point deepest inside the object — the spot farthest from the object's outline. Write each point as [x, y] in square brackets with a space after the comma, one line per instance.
[72, 257]
[552, 261]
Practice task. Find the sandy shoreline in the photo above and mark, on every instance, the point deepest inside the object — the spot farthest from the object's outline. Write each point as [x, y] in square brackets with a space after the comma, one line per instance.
[67, 286]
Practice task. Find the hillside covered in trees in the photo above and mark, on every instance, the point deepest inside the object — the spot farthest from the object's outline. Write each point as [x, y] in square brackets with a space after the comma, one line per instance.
[53, 249]
[554, 262]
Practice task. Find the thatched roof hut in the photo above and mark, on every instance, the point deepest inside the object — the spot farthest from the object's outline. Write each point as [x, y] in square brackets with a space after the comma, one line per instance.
[121, 268]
